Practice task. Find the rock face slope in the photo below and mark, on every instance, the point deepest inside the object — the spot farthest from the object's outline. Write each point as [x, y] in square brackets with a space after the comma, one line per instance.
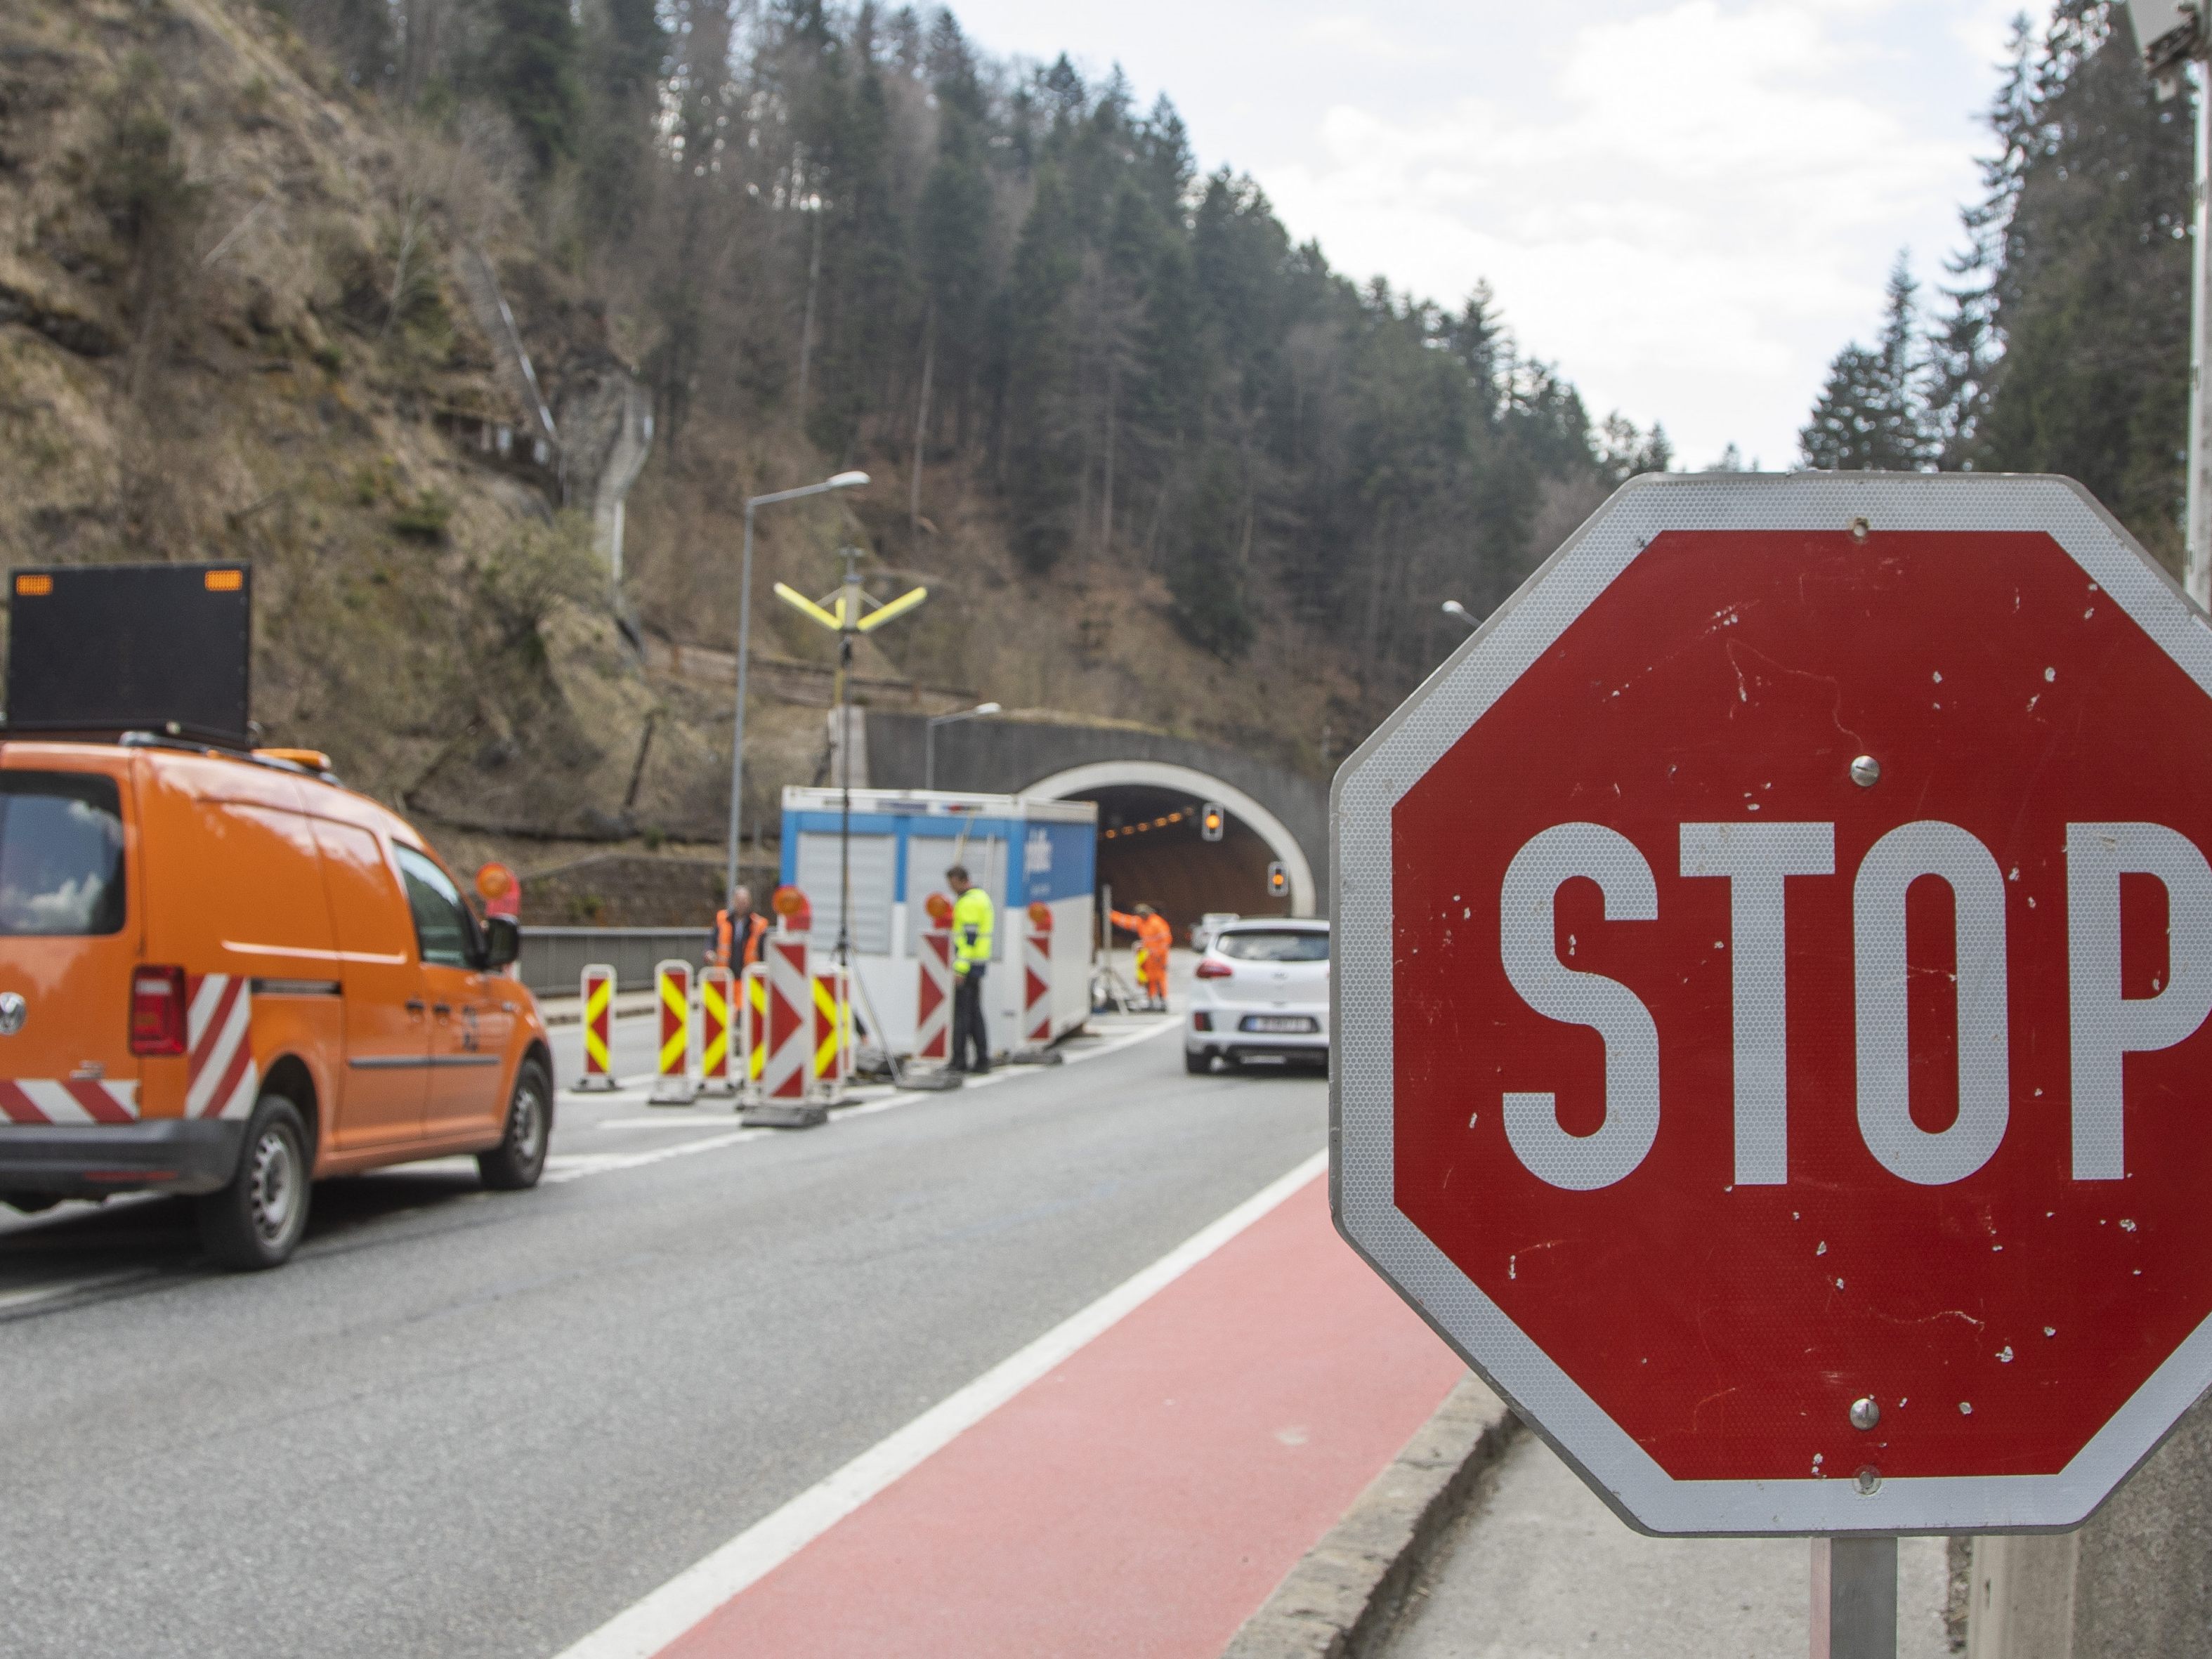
[247, 311]
[235, 321]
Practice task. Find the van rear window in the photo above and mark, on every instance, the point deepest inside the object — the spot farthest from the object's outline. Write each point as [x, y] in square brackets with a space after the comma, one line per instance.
[61, 854]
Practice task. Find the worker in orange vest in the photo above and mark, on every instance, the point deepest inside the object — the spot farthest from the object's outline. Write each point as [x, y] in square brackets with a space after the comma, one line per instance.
[736, 942]
[1153, 937]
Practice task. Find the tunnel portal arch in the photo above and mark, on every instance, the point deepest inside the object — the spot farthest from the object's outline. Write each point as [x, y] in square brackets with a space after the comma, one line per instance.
[1088, 779]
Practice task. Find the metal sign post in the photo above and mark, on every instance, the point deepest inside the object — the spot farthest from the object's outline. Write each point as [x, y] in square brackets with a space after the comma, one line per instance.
[1855, 1598]
[1788, 1094]
[2173, 36]
[848, 613]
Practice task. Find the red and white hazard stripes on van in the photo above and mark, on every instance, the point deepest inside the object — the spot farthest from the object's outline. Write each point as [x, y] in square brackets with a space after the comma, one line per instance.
[72, 1100]
[220, 1078]
[219, 1028]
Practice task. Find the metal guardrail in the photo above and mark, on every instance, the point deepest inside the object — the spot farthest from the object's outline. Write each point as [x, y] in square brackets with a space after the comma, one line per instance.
[553, 959]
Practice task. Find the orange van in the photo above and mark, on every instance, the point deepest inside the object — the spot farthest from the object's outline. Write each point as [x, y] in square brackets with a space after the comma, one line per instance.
[223, 973]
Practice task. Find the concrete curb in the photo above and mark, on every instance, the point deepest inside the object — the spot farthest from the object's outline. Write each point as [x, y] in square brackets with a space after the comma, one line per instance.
[1343, 1595]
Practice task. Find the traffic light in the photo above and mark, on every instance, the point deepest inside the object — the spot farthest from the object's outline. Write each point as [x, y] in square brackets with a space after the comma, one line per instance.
[1212, 821]
[1279, 881]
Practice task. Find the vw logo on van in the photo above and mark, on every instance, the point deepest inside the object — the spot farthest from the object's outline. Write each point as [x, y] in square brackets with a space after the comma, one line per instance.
[13, 1013]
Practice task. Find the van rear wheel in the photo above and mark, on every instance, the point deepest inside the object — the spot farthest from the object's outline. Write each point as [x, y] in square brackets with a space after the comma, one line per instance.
[257, 1221]
[519, 1158]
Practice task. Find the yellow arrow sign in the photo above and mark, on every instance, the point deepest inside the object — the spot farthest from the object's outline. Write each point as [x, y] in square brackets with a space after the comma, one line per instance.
[806, 607]
[897, 607]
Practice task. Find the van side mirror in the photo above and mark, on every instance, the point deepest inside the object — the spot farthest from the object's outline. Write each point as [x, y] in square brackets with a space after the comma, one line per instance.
[502, 941]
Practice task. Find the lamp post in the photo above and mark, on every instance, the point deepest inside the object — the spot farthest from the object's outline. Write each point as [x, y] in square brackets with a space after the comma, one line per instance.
[841, 481]
[2171, 35]
[929, 737]
[1453, 608]
[848, 613]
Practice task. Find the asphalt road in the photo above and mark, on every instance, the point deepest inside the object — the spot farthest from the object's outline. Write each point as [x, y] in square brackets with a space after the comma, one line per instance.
[464, 1423]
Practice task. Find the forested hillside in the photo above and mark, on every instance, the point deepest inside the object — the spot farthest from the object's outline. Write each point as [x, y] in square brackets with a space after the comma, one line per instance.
[270, 269]
[2059, 341]
[1008, 291]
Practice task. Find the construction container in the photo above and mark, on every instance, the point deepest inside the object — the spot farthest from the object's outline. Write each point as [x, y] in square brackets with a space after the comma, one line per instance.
[1020, 852]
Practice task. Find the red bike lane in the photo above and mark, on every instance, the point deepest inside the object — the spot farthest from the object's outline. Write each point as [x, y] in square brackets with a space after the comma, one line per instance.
[1142, 1498]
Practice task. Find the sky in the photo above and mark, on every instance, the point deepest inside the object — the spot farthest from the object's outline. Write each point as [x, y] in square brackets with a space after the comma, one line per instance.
[1689, 208]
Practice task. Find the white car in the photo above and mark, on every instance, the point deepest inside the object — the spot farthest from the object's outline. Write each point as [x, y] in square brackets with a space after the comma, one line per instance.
[1261, 990]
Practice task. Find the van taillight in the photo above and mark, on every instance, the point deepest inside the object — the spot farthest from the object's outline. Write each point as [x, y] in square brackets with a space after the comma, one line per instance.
[157, 1011]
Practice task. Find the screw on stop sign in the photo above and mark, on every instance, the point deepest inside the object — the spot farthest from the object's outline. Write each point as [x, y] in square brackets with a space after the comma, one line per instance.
[1773, 968]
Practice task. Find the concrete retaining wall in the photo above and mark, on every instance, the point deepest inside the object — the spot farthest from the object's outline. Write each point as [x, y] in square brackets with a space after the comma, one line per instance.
[553, 959]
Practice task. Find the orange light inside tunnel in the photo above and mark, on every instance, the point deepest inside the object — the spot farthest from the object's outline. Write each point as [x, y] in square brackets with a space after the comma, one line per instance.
[1181, 876]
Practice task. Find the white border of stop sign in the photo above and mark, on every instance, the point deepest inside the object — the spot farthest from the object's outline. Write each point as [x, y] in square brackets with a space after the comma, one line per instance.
[1369, 786]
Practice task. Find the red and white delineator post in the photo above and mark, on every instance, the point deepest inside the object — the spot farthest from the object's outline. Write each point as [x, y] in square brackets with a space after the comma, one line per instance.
[671, 1084]
[752, 1028]
[933, 1021]
[718, 1031]
[598, 989]
[1035, 1048]
[1036, 977]
[836, 1054]
[784, 1100]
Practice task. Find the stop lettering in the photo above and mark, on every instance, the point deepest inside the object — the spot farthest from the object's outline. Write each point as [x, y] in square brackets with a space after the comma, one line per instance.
[1774, 958]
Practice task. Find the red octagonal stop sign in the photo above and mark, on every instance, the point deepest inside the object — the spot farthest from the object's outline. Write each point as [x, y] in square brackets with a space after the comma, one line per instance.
[1774, 957]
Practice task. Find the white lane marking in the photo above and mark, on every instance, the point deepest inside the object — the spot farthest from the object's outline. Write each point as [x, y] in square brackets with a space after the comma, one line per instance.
[675, 1119]
[672, 1120]
[12, 1301]
[561, 1168]
[581, 1165]
[667, 1613]
[1006, 1074]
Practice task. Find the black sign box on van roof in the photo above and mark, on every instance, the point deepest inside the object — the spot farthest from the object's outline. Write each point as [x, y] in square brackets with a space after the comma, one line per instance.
[121, 647]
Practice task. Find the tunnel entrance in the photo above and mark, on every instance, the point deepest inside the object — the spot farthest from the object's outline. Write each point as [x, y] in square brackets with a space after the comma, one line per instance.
[1151, 849]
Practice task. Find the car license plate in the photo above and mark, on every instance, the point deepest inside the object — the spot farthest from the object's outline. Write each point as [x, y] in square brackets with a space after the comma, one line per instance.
[1282, 1023]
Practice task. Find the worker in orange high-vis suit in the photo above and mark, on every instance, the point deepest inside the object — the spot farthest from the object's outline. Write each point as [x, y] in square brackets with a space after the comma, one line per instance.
[1153, 937]
[735, 944]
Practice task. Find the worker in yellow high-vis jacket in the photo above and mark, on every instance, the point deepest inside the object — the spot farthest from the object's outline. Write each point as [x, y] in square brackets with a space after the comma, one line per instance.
[971, 956]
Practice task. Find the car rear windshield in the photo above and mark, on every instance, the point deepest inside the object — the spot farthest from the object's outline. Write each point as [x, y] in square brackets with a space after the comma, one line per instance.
[1275, 944]
[61, 854]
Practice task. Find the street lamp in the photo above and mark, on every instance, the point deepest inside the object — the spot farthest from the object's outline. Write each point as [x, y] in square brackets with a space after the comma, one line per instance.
[929, 737]
[1453, 608]
[2173, 35]
[841, 481]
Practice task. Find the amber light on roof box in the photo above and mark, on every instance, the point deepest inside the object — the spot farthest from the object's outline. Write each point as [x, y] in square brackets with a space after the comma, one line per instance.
[33, 587]
[225, 581]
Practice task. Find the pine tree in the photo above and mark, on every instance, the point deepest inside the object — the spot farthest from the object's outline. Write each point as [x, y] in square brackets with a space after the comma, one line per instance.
[1040, 445]
[1624, 452]
[1965, 345]
[2092, 296]
[625, 49]
[1204, 577]
[1873, 412]
[533, 72]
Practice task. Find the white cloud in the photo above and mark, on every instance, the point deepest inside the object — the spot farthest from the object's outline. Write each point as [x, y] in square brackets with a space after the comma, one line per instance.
[1688, 205]
[1692, 220]
[1353, 31]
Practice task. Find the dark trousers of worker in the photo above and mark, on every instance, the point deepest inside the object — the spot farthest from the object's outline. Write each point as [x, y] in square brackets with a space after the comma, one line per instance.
[969, 1033]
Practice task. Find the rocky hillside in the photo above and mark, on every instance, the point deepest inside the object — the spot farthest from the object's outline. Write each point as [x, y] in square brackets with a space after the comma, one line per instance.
[249, 310]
